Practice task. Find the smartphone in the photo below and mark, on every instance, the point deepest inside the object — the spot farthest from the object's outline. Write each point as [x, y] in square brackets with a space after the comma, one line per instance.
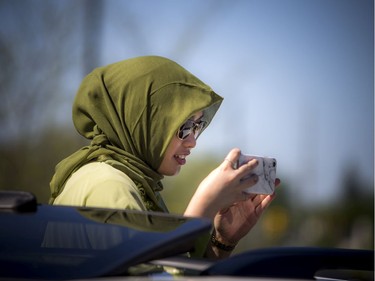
[266, 171]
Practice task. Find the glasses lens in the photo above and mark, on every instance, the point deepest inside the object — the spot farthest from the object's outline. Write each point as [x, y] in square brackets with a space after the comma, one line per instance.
[198, 128]
[190, 127]
[186, 129]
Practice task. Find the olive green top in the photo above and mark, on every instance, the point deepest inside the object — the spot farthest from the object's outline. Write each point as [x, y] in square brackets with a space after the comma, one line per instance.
[100, 185]
[130, 111]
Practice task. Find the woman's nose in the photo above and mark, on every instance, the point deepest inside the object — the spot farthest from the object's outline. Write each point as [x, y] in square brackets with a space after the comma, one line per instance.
[190, 141]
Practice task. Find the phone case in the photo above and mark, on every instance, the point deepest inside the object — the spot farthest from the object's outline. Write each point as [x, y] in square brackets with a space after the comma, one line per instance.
[266, 171]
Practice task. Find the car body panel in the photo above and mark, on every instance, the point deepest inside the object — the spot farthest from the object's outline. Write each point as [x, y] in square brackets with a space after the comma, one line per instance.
[43, 242]
[58, 242]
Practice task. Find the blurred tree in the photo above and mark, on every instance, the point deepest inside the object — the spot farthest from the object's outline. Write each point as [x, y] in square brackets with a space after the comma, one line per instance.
[39, 49]
[30, 165]
[92, 34]
[36, 48]
[356, 212]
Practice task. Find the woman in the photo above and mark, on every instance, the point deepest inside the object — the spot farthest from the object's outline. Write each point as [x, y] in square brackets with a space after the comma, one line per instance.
[143, 116]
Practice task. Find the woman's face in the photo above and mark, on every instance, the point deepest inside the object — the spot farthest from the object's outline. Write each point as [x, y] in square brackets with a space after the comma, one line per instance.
[177, 151]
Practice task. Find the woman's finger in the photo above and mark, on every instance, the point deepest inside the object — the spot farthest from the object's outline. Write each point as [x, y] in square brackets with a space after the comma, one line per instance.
[245, 169]
[230, 163]
[264, 204]
[232, 158]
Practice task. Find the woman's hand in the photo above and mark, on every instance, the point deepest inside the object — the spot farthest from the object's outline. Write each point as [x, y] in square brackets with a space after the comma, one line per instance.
[222, 187]
[233, 223]
[221, 197]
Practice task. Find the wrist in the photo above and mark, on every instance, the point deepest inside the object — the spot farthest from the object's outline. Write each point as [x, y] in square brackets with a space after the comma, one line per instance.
[198, 208]
[222, 245]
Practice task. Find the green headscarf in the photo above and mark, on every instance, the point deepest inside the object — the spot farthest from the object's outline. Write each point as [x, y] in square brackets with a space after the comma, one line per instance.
[130, 111]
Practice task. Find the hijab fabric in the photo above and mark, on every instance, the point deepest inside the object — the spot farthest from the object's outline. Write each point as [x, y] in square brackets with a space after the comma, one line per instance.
[130, 111]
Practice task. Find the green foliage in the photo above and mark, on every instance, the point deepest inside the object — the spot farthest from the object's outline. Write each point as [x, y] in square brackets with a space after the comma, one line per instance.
[29, 164]
[179, 189]
[347, 222]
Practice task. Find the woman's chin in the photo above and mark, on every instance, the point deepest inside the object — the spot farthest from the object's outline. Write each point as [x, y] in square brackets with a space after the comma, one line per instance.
[174, 172]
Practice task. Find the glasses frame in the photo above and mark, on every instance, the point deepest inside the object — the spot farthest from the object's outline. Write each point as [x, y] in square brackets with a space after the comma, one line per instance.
[191, 126]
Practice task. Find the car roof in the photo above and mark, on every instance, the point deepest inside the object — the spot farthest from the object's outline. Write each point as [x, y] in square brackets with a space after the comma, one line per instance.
[57, 242]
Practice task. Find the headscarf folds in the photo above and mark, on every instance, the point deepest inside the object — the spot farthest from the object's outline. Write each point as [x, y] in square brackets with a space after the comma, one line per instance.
[130, 111]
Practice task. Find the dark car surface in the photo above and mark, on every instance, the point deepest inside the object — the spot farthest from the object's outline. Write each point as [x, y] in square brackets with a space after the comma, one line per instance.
[43, 242]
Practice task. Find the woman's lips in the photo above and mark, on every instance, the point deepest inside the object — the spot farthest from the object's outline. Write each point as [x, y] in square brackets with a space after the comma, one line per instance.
[181, 159]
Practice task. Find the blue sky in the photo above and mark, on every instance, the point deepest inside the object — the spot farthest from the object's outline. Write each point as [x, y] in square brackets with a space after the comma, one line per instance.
[296, 77]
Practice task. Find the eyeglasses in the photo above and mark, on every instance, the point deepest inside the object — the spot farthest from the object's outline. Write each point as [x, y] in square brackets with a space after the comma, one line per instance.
[189, 127]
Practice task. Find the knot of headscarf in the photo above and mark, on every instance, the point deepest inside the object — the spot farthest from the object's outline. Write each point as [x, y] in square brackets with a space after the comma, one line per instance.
[130, 111]
[99, 139]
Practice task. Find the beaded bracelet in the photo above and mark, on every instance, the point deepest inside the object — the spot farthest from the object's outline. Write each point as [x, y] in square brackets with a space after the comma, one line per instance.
[221, 246]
